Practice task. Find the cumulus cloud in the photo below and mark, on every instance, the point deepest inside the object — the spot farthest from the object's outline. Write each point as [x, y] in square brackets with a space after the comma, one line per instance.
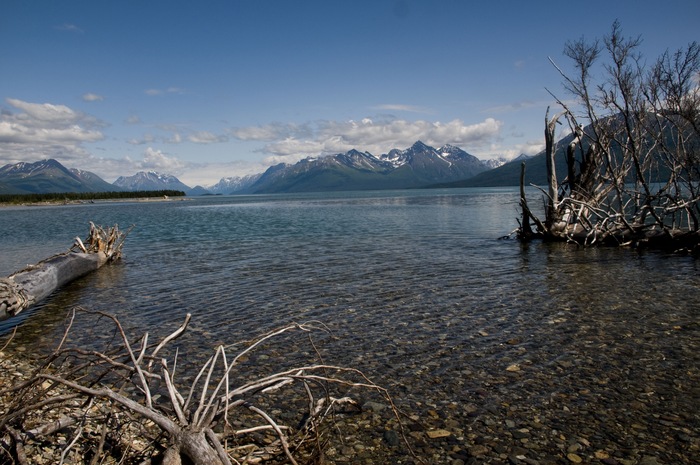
[377, 137]
[45, 113]
[156, 160]
[43, 130]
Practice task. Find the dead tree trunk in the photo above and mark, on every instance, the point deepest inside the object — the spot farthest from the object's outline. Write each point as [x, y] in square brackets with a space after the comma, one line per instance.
[27, 287]
[632, 171]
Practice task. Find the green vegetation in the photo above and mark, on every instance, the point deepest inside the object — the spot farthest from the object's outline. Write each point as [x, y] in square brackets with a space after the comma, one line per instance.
[85, 196]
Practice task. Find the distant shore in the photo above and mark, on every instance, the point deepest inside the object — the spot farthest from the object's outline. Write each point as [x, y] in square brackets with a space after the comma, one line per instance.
[40, 200]
[50, 203]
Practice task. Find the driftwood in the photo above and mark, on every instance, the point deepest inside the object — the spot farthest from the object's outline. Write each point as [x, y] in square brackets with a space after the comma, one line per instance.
[125, 403]
[34, 283]
[633, 171]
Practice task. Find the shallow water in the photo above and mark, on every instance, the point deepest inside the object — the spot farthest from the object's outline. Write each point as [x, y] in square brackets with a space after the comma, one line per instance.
[415, 285]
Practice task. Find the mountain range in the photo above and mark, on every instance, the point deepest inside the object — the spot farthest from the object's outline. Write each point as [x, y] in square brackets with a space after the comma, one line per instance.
[49, 176]
[417, 166]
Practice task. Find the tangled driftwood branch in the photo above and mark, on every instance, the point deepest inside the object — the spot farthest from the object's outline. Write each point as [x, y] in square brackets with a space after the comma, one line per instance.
[215, 419]
[633, 169]
[32, 284]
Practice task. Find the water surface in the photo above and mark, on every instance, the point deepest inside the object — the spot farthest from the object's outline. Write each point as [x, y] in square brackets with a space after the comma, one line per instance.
[415, 285]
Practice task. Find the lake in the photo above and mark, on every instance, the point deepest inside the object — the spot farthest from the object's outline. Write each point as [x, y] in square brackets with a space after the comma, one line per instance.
[527, 351]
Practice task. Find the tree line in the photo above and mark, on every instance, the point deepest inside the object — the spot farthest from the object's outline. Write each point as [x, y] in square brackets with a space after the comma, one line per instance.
[85, 196]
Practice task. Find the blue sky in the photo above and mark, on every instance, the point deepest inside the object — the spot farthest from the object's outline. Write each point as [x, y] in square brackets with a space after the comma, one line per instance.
[204, 90]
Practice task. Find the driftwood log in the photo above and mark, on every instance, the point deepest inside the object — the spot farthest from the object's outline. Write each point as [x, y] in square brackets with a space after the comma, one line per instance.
[34, 283]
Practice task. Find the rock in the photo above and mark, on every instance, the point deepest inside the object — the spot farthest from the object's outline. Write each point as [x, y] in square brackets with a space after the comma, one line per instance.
[574, 458]
[373, 406]
[391, 437]
[478, 450]
[438, 433]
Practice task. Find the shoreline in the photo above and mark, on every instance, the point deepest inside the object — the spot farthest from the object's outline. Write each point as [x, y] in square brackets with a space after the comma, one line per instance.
[59, 203]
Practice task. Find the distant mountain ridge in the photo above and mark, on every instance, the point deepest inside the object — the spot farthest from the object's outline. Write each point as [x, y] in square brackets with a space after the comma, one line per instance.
[150, 181]
[417, 166]
[232, 184]
[49, 176]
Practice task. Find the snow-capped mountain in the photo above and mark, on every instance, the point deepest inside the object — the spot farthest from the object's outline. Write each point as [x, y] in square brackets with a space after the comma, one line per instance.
[150, 181]
[49, 176]
[232, 184]
[418, 166]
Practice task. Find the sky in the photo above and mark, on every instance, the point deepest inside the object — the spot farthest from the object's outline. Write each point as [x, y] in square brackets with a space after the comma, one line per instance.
[212, 89]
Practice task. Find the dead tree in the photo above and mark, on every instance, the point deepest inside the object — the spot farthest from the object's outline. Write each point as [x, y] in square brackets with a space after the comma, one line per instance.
[214, 419]
[32, 284]
[633, 170]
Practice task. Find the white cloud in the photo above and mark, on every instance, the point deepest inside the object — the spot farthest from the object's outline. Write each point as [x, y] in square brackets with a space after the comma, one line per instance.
[206, 137]
[156, 160]
[90, 97]
[377, 137]
[210, 173]
[145, 139]
[176, 138]
[270, 132]
[45, 130]
[45, 113]
[527, 148]
[152, 159]
[169, 90]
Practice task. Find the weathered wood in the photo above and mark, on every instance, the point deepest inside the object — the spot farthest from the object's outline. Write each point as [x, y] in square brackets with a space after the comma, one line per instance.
[215, 419]
[632, 171]
[25, 288]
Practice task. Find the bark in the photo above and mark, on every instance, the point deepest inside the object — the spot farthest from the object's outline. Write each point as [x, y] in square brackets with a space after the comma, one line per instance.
[25, 288]
[550, 150]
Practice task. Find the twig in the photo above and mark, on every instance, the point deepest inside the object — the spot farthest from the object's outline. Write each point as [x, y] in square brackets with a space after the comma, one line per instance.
[9, 340]
[278, 430]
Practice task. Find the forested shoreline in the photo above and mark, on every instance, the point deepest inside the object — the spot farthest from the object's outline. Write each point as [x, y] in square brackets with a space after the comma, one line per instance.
[84, 196]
